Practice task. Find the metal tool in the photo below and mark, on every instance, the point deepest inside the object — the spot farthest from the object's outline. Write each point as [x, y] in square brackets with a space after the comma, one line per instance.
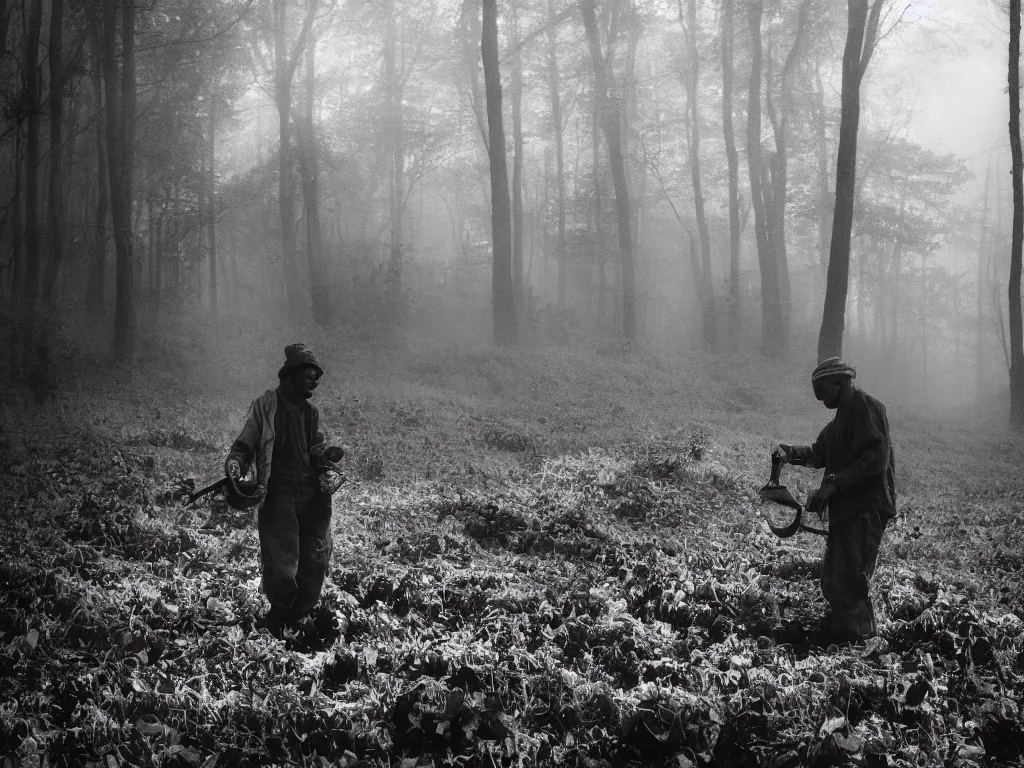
[776, 492]
[244, 493]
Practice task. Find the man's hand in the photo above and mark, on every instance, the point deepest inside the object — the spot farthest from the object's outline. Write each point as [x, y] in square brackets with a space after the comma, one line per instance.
[334, 454]
[784, 452]
[819, 499]
[233, 469]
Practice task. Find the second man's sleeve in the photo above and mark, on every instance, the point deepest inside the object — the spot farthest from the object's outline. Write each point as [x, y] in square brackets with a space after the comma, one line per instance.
[810, 455]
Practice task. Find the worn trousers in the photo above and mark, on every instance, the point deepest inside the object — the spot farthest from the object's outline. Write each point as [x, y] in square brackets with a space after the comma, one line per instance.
[295, 546]
[849, 563]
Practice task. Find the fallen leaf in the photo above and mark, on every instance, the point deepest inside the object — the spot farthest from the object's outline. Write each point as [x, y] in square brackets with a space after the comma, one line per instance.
[831, 725]
[970, 751]
[32, 637]
[917, 692]
[851, 744]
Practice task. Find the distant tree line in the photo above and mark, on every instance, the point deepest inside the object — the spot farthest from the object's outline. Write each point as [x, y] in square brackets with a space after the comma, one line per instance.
[624, 168]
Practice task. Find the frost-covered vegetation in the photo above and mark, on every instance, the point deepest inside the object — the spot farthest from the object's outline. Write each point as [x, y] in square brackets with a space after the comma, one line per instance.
[540, 559]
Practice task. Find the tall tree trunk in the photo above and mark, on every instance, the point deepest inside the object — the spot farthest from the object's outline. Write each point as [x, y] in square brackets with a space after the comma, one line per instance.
[55, 203]
[7, 262]
[613, 138]
[771, 307]
[96, 284]
[175, 226]
[311, 199]
[505, 328]
[17, 267]
[55, 209]
[285, 63]
[211, 182]
[161, 250]
[26, 319]
[779, 164]
[124, 316]
[861, 290]
[393, 86]
[1017, 171]
[5, 22]
[894, 340]
[861, 34]
[554, 89]
[286, 202]
[627, 117]
[517, 165]
[204, 223]
[236, 288]
[732, 161]
[924, 328]
[598, 209]
[878, 288]
[983, 246]
[120, 115]
[692, 84]
[152, 246]
[897, 258]
[999, 241]
[821, 150]
[174, 237]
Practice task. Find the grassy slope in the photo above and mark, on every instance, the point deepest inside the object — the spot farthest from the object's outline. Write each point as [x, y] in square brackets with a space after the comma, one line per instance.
[609, 593]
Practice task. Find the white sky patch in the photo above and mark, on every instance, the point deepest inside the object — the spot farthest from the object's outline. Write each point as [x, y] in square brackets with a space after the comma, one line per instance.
[946, 63]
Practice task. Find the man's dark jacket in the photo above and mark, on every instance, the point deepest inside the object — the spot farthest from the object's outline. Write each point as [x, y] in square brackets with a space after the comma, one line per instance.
[255, 443]
[855, 448]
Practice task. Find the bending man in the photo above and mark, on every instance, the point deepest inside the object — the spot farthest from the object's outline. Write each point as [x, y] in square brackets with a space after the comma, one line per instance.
[858, 489]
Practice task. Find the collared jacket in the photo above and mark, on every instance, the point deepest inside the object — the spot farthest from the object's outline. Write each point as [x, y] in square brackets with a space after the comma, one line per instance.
[254, 445]
[855, 448]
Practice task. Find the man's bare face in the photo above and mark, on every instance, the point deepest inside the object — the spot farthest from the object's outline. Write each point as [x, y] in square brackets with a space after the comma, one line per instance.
[305, 380]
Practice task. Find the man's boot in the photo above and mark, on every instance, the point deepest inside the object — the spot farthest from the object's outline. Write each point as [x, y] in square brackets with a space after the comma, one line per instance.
[273, 622]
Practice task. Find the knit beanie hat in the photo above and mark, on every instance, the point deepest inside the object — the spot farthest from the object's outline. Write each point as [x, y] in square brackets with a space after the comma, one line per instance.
[297, 356]
[833, 366]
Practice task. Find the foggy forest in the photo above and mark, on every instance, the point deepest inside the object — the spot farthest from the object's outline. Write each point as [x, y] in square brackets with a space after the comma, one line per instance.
[649, 383]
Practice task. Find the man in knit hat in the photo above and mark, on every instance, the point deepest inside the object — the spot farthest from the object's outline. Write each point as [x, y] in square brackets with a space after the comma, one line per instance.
[858, 489]
[283, 442]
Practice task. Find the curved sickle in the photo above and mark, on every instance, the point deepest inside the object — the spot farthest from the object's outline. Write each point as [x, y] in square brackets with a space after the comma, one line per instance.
[784, 532]
[781, 495]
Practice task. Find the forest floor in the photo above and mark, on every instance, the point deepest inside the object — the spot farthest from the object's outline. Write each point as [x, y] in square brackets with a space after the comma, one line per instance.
[541, 558]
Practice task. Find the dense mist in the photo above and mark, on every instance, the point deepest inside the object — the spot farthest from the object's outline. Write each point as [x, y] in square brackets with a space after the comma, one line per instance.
[664, 175]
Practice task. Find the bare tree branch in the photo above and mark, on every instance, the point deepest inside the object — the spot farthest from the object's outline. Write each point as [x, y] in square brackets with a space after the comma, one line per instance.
[198, 40]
